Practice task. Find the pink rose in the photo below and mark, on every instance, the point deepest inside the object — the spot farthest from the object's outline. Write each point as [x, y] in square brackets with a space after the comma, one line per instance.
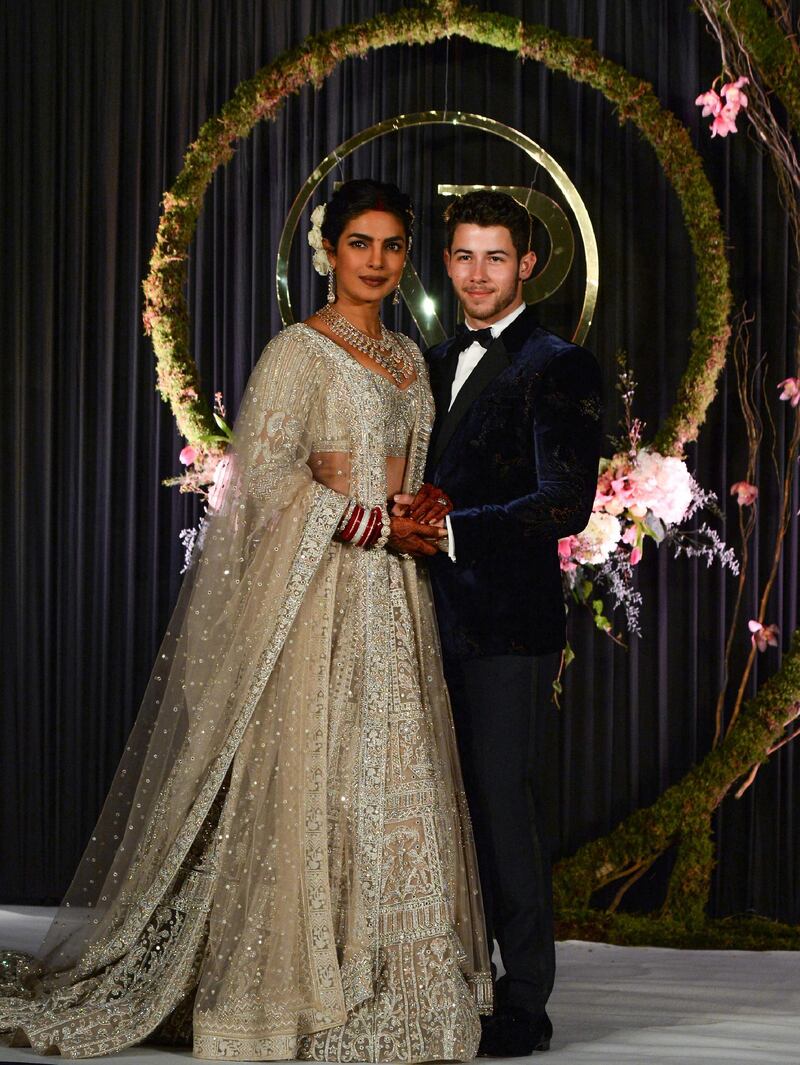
[763, 636]
[636, 556]
[188, 455]
[746, 494]
[791, 390]
[565, 549]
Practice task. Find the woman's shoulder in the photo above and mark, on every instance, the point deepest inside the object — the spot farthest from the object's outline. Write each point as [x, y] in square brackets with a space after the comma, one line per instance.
[297, 342]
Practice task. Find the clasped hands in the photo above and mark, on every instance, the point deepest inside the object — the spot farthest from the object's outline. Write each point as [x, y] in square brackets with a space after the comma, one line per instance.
[417, 522]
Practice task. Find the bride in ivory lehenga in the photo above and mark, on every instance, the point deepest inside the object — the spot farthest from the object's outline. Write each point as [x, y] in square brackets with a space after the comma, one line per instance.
[284, 865]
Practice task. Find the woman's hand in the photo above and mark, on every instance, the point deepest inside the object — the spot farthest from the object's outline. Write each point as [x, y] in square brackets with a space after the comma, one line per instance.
[409, 537]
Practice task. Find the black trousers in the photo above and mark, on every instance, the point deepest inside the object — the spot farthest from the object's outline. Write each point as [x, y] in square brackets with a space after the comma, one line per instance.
[493, 707]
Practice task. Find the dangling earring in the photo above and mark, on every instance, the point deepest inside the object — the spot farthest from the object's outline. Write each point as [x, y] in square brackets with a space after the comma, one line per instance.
[396, 297]
[331, 285]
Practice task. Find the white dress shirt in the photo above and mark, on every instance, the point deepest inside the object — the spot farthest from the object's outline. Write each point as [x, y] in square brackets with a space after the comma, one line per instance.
[468, 359]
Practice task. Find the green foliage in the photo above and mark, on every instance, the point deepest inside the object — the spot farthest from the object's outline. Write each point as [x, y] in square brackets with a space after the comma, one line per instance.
[649, 930]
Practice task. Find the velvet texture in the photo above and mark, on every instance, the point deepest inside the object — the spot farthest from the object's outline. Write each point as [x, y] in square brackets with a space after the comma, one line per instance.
[98, 102]
[517, 453]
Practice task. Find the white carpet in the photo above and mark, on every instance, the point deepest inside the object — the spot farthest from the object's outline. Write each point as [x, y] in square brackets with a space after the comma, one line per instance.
[641, 1005]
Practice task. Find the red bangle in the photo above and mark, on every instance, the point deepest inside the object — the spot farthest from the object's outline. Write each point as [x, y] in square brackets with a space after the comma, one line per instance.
[368, 531]
[377, 514]
[352, 524]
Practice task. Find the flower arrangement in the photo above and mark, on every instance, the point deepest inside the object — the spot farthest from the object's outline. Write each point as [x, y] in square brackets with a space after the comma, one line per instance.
[641, 494]
[206, 463]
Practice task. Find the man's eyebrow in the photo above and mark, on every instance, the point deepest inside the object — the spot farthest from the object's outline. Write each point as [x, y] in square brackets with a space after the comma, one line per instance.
[469, 251]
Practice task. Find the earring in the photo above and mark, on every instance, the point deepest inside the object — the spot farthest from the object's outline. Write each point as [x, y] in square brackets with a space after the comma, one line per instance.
[331, 285]
[396, 297]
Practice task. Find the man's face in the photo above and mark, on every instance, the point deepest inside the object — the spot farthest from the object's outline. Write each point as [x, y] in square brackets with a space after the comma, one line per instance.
[487, 276]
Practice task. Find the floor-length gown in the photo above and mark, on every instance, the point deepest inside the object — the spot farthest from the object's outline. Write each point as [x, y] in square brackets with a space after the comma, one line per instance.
[284, 866]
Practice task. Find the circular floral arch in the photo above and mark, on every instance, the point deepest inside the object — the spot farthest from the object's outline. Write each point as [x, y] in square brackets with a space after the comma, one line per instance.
[166, 316]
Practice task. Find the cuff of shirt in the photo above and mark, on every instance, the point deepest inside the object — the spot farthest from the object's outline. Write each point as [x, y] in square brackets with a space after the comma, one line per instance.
[451, 543]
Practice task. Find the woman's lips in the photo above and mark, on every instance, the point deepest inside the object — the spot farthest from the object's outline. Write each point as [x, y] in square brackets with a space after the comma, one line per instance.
[374, 282]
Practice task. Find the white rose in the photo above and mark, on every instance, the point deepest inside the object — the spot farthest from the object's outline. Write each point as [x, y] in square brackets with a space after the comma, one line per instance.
[315, 238]
[321, 264]
[598, 539]
[318, 215]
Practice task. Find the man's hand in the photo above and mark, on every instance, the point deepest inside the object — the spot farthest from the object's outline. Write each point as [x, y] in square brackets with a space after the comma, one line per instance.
[428, 506]
[410, 537]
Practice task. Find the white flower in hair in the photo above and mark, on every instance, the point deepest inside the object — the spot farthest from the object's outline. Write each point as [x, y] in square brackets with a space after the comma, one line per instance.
[321, 264]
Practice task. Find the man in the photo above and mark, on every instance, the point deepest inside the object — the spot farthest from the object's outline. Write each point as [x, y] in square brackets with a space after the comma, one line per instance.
[515, 446]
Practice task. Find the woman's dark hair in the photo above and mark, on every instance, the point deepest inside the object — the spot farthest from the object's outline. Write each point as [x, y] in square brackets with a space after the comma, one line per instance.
[364, 194]
[486, 207]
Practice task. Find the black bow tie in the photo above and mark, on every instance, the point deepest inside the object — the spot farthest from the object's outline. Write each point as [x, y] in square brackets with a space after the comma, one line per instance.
[466, 336]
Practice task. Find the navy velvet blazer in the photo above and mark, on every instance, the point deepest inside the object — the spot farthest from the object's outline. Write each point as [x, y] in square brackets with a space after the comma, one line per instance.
[518, 455]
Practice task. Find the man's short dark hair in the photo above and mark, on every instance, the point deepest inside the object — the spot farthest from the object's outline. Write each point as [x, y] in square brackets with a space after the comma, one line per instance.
[485, 207]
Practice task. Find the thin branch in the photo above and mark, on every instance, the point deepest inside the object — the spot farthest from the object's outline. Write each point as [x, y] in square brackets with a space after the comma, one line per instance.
[745, 383]
[629, 884]
[751, 776]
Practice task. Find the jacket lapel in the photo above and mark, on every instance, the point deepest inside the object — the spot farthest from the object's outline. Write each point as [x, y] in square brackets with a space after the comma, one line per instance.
[442, 371]
[497, 357]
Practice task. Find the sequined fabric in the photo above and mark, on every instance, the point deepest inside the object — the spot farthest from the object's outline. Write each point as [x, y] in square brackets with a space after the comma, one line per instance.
[284, 867]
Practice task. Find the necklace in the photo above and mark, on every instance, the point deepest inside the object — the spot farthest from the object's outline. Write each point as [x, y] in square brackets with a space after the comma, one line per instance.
[386, 352]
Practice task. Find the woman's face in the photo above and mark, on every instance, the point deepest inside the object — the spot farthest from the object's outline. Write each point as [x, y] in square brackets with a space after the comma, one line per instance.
[369, 257]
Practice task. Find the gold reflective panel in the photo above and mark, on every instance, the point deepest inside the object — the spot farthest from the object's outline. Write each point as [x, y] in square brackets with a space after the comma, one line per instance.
[542, 208]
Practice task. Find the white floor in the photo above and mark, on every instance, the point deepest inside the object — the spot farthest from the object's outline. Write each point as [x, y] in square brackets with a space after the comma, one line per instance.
[642, 1005]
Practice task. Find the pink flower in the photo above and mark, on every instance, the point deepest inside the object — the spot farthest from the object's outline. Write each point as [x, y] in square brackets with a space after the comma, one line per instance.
[565, 549]
[724, 113]
[791, 390]
[763, 635]
[724, 122]
[746, 494]
[711, 103]
[631, 535]
[733, 96]
[188, 455]
[636, 556]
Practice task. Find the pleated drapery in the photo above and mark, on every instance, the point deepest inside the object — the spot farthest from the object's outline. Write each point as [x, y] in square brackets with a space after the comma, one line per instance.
[98, 104]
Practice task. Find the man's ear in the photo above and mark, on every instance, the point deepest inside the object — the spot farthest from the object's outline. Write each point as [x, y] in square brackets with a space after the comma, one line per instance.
[446, 257]
[526, 265]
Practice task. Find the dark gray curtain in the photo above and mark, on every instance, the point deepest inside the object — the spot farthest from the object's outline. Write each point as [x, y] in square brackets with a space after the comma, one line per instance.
[99, 101]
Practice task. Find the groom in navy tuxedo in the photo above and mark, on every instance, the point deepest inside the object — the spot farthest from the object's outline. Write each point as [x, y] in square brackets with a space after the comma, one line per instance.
[515, 446]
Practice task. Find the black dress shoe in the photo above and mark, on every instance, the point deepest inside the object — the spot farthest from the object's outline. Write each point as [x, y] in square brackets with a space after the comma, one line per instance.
[514, 1033]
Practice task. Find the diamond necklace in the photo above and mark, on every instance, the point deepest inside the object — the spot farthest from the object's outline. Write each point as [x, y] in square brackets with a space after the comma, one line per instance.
[385, 352]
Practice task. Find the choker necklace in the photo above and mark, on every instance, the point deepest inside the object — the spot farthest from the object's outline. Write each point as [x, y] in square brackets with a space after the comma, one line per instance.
[386, 352]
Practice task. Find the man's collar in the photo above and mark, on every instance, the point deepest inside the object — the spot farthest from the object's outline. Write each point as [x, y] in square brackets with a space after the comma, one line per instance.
[517, 331]
[503, 323]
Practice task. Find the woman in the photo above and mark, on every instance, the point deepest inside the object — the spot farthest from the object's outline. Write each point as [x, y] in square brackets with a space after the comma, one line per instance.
[284, 865]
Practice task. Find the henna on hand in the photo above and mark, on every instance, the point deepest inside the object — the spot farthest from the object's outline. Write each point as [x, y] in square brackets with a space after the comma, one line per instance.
[430, 505]
[412, 538]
